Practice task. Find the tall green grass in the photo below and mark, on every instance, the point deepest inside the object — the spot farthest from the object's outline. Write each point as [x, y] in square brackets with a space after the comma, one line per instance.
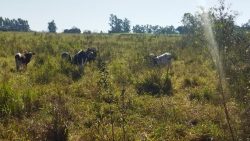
[120, 96]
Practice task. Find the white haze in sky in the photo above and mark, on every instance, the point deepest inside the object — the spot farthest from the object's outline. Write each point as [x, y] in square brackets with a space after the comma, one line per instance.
[94, 14]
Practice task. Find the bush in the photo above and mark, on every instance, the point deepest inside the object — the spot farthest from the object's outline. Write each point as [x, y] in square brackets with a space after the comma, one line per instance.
[10, 102]
[31, 102]
[195, 96]
[204, 95]
[151, 85]
[70, 70]
[190, 82]
[45, 73]
[167, 86]
[58, 129]
[40, 60]
[154, 85]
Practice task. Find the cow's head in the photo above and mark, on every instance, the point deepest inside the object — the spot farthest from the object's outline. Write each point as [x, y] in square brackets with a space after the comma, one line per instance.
[91, 54]
[28, 56]
[153, 58]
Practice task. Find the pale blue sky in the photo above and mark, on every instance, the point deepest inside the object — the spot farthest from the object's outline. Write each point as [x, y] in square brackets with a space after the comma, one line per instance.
[94, 14]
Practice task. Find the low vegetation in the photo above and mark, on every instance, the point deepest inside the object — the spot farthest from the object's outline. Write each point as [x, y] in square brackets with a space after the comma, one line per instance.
[120, 96]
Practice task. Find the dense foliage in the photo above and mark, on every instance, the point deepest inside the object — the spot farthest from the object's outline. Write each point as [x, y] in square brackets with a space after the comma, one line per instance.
[7, 24]
[118, 25]
[121, 95]
[72, 30]
[52, 26]
[111, 99]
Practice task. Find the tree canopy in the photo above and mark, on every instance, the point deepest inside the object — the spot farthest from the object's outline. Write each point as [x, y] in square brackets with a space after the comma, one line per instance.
[52, 26]
[7, 24]
[118, 25]
[72, 30]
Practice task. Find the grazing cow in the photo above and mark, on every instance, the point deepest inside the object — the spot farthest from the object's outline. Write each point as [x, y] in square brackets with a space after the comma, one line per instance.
[79, 58]
[22, 60]
[66, 56]
[161, 60]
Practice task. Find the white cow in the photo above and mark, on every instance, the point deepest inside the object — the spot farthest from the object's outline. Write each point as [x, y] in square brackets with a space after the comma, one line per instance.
[162, 60]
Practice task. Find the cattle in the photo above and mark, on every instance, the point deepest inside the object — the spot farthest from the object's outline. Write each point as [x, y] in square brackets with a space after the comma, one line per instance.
[91, 54]
[66, 56]
[81, 57]
[162, 60]
[22, 60]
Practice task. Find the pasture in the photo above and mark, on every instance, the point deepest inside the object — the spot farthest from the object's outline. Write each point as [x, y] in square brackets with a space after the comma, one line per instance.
[119, 96]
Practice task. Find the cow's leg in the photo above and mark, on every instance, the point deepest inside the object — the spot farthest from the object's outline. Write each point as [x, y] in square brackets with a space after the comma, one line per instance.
[24, 67]
[21, 66]
[80, 65]
[17, 65]
[169, 67]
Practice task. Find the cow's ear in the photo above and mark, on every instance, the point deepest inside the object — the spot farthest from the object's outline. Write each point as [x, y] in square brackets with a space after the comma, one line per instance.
[33, 53]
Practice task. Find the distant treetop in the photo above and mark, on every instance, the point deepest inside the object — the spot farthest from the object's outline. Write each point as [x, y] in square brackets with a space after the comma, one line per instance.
[52, 26]
[72, 30]
[7, 24]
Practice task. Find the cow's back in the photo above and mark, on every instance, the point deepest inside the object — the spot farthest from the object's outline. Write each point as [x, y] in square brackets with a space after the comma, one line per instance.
[164, 59]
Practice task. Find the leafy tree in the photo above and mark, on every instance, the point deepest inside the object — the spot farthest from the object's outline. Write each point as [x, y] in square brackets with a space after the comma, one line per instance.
[148, 28]
[232, 43]
[86, 32]
[138, 29]
[72, 30]
[1, 22]
[171, 30]
[165, 30]
[115, 24]
[181, 29]
[155, 29]
[126, 26]
[191, 23]
[118, 25]
[52, 26]
[14, 25]
[246, 26]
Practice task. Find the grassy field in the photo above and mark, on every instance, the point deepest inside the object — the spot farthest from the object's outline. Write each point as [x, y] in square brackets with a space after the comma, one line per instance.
[120, 96]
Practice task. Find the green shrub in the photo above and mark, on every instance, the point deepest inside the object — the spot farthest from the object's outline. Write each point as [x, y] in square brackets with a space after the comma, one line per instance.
[31, 102]
[204, 95]
[151, 84]
[195, 96]
[10, 102]
[167, 87]
[40, 60]
[154, 85]
[190, 82]
[58, 130]
[208, 94]
[70, 70]
[45, 73]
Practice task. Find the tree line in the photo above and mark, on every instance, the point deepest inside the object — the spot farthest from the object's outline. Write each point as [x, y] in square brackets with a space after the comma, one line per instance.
[117, 25]
[19, 24]
[189, 25]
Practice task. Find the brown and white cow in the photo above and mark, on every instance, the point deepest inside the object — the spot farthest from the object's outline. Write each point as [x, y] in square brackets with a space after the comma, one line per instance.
[22, 60]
